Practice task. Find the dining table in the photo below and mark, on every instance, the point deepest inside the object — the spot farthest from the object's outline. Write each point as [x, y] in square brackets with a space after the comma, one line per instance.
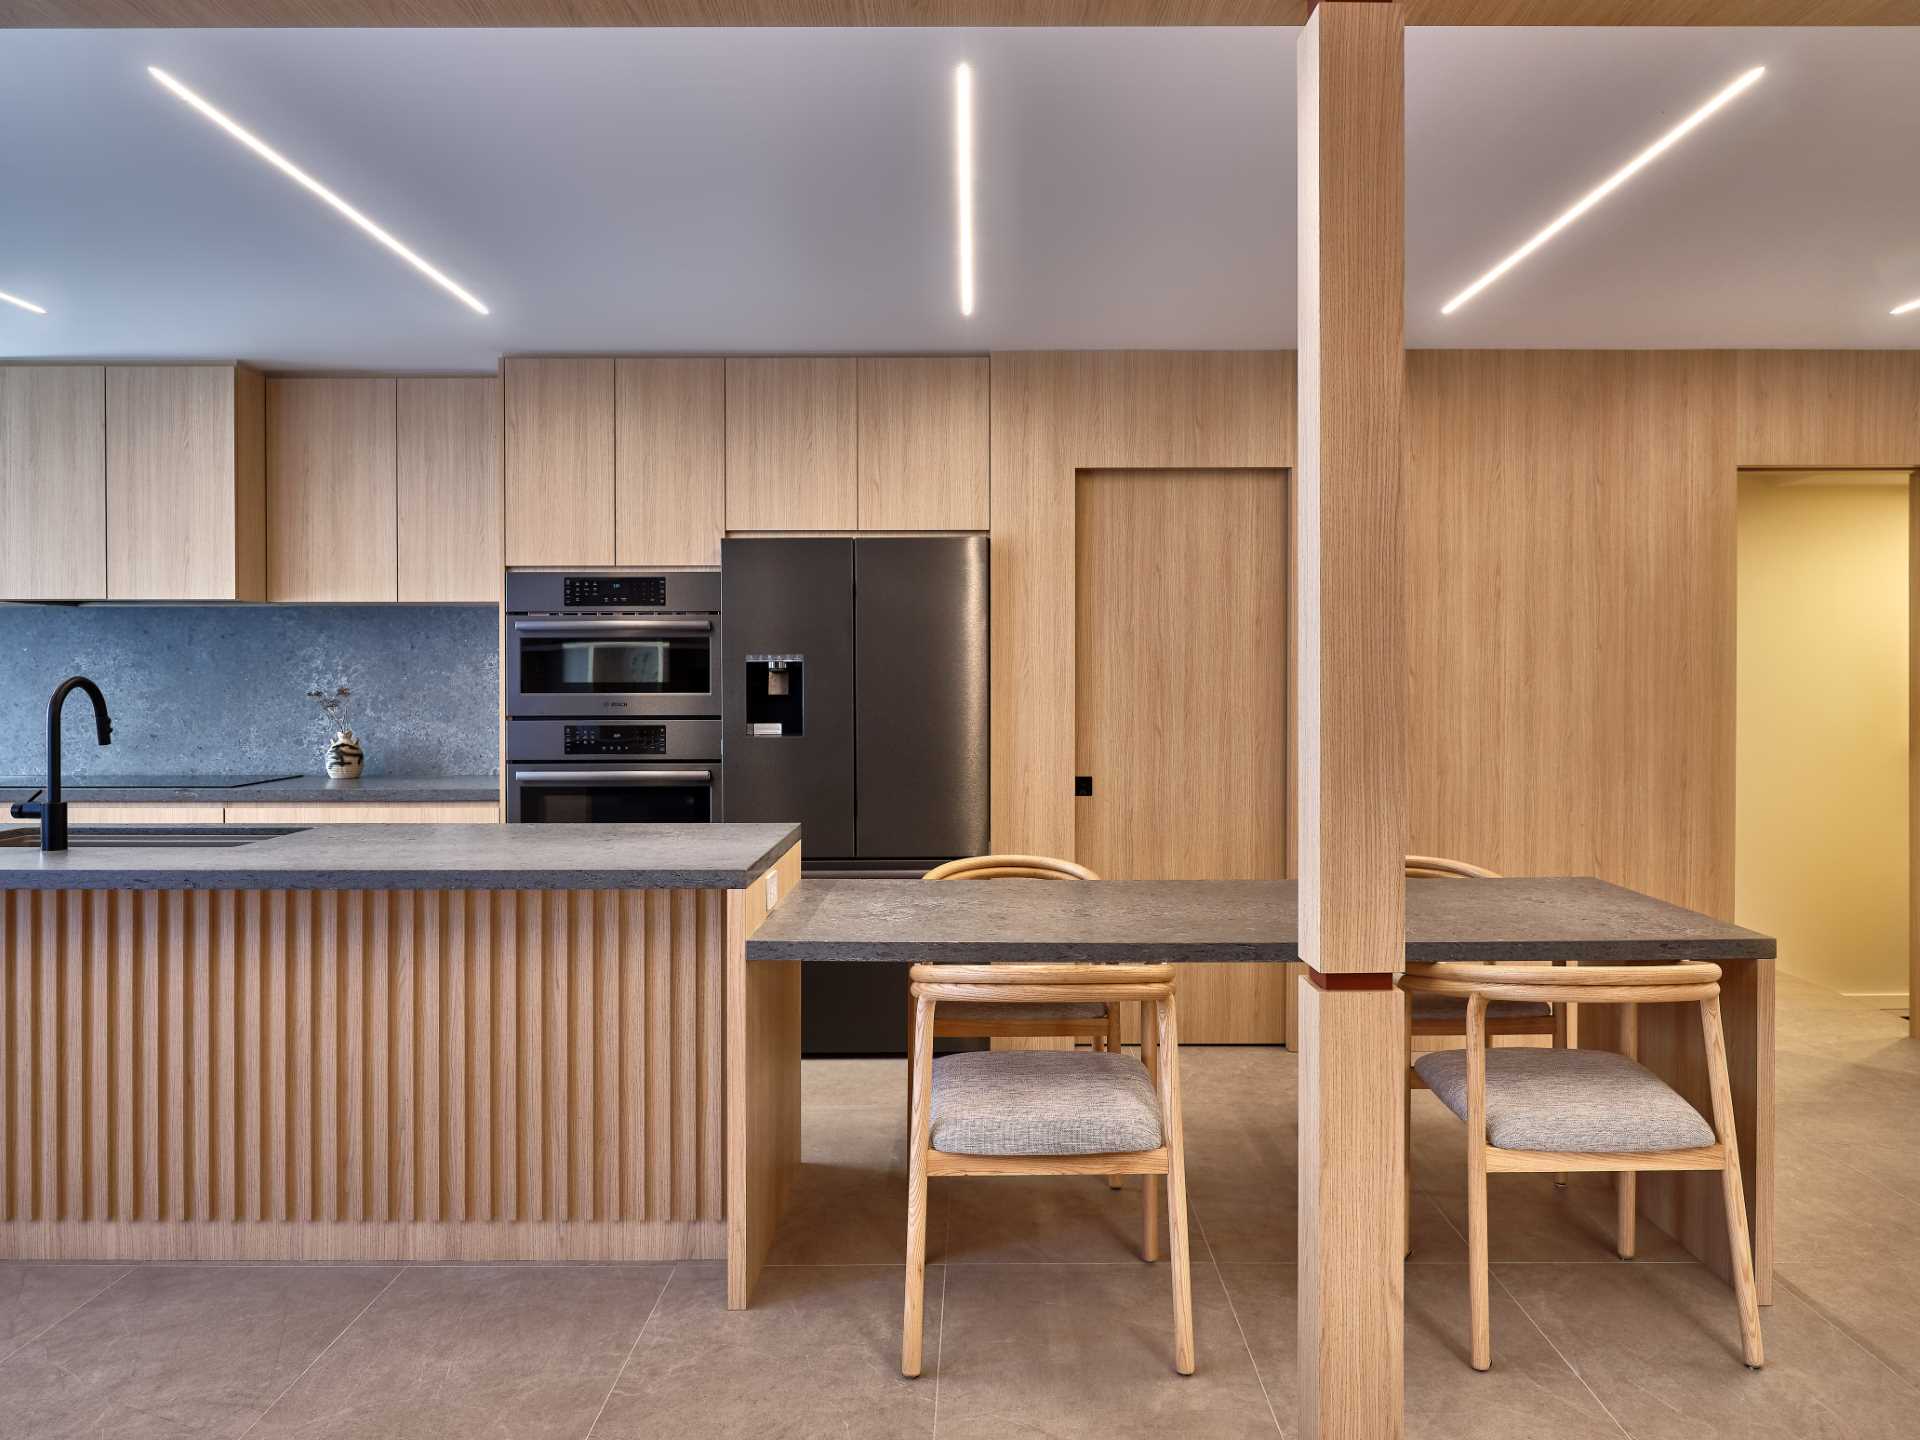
[1537, 919]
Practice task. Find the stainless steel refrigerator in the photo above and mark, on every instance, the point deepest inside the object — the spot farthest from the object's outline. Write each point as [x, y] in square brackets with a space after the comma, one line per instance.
[856, 703]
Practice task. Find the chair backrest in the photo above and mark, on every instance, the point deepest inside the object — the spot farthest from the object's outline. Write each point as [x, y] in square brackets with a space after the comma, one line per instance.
[1009, 867]
[1017, 984]
[1437, 867]
[1574, 984]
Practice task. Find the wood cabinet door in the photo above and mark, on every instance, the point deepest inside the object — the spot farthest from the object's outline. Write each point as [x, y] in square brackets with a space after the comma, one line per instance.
[448, 525]
[1180, 675]
[330, 489]
[559, 478]
[793, 439]
[186, 484]
[53, 482]
[670, 485]
[923, 443]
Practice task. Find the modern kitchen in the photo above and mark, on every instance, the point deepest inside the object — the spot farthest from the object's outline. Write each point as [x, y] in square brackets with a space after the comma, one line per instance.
[917, 729]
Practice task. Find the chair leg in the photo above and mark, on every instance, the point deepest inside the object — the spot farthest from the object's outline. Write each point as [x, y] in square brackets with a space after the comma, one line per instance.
[1626, 1200]
[1169, 1086]
[1732, 1188]
[919, 1066]
[1479, 1303]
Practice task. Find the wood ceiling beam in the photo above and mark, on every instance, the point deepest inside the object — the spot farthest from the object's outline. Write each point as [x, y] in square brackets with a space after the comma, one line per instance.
[294, 14]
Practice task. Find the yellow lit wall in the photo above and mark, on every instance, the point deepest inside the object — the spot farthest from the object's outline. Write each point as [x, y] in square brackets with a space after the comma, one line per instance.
[1820, 857]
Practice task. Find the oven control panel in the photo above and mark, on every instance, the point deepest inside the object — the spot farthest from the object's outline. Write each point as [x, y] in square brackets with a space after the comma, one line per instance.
[613, 592]
[615, 740]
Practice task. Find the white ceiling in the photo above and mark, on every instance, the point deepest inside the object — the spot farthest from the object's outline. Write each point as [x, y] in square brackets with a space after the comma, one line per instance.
[738, 190]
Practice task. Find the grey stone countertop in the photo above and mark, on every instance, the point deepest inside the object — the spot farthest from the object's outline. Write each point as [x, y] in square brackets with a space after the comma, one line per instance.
[424, 857]
[299, 790]
[1561, 918]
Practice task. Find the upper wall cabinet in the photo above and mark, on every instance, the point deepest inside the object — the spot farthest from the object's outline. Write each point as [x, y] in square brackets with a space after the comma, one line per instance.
[53, 482]
[449, 501]
[331, 489]
[186, 488]
[559, 483]
[670, 486]
[793, 444]
[923, 443]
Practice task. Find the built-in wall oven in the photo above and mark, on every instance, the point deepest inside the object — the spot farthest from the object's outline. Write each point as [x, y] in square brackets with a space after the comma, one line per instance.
[614, 772]
[584, 644]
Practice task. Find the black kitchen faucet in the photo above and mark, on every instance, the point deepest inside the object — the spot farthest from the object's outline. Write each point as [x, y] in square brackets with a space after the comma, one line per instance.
[50, 810]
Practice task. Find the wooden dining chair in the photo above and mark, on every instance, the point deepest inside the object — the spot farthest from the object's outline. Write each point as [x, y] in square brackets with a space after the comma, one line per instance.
[1531, 1110]
[1049, 1112]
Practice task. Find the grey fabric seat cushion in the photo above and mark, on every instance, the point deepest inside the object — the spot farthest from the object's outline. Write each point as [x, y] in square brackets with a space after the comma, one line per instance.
[1580, 1100]
[1454, 1007]
[1026, 1010]
[1043, 1102]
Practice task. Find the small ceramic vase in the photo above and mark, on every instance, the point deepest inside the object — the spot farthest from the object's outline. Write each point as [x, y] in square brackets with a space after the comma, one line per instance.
[345, 757]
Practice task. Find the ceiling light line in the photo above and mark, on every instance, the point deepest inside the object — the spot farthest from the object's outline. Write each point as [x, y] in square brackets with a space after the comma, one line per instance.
[963, 177]
[23, 304]
[1612, 183]
[295, 173]
[1913, 304]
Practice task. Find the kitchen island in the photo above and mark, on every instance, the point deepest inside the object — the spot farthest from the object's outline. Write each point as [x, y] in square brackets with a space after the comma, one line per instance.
[1210, 922]
[453, 1042]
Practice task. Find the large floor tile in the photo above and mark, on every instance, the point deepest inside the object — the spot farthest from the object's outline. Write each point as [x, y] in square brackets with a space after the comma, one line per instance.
[1069, 1350]
[1871, 1297]
[455, 1351]
[1531, 1391]
[33, 1296]
[1825, 1209]
[848, 1205]
[1531, 1218]
[181, 1350]
[1029, 1219]
[1660, 1346]
[817, 1355]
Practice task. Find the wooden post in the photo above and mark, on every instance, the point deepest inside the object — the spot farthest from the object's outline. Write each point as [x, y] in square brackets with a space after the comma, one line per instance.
[1350, 641]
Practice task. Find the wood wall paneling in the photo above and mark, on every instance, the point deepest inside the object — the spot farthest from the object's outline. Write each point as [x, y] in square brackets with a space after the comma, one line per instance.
[449, 489]
[923, 443]
[793, 443]
[1181, 708]
[331, 489]
[361, 1075]
[53, 482]
[186, 496]
[670, 483]
[1055, 414]
[1828, 409]
[559, 461]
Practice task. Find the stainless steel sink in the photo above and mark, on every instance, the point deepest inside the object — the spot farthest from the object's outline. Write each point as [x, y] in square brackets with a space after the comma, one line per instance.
[151, 837]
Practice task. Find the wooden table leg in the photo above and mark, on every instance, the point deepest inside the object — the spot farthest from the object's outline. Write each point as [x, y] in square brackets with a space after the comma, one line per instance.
[763, 1082]
[1689, 1206]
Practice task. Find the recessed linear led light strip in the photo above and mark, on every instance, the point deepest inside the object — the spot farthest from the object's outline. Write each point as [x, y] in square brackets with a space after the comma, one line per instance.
[293, 172]
[963, 176]
[1913, 304]
[1612, 183]
[29, 305]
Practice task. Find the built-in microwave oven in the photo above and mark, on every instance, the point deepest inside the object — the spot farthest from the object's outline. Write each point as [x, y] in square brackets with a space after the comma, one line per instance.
[591, 643]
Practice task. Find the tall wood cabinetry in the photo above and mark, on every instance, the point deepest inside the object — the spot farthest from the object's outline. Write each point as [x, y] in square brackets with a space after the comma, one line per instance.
[53, 482]
[332, 481]
[923, 443]
[560, 428]
[448, 500]
[670, 461]
[793, 444]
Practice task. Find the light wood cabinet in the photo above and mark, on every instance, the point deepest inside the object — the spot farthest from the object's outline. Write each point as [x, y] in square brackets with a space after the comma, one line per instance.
[157, 812]
[923, 443]
[559, 461]
[793, 444]
[186, 486]
[53, 482]
[449, 499]
[334, 812]
[670, 477]
[331, 476]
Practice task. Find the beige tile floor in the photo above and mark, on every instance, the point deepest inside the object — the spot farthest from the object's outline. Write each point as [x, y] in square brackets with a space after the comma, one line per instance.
[1040, 1320]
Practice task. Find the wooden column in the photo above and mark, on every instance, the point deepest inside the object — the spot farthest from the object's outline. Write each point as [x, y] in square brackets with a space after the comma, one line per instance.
[1351, 721]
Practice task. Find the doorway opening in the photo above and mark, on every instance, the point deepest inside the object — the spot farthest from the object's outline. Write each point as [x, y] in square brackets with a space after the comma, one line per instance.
[1823, 778]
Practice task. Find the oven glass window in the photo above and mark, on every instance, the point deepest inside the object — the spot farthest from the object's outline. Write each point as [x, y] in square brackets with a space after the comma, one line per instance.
[581, 665]
[556, 804]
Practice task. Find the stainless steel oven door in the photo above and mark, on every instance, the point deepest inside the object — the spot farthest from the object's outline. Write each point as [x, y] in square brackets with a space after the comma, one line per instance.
[614, 793]
[644, 665]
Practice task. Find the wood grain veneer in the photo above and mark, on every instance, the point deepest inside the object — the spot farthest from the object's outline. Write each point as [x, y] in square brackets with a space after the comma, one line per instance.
[449, 489]
[670, 480]
[334, 1075]
[793, 442]
[559, 460]
[331, 475]
[53, 482]
[923, 442]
